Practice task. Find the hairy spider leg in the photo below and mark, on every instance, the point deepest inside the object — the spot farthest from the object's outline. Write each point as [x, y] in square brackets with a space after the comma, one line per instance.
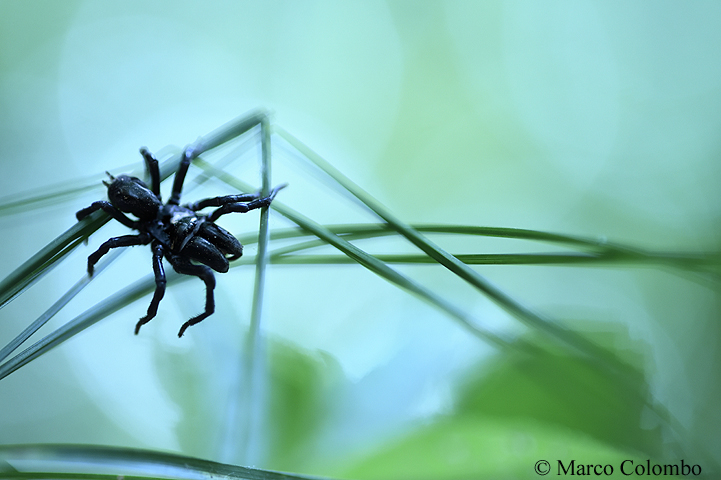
[108, 208]
[220, 201]
[151, 165]
[188, 156]
[159, 285]
[238, 207]
[115, 242]
[184, 266]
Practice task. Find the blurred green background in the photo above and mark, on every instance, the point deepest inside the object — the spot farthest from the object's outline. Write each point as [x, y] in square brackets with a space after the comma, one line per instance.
[598, 119]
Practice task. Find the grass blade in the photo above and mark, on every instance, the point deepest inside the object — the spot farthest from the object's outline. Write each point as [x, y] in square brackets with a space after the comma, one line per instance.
[254, 358]
[56, 307]
[88, 318]
[468, 259]
[43, 261]
[590, 254]
[51, 194]
[83, 461]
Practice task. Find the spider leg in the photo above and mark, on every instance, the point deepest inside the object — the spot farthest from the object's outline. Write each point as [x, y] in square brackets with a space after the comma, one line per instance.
[159, 285]
[245, 207]
[124, 241]
[108, 208]
[188, 155]
[151, 165]
[220, 201]
[184, 266]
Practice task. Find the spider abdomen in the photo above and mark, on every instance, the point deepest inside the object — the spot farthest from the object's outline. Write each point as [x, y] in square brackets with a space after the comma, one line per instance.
[202, 251]
[221, 238]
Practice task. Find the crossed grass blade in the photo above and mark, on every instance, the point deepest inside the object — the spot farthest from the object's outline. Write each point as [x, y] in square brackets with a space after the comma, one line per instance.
[363, 258]
[532, 319]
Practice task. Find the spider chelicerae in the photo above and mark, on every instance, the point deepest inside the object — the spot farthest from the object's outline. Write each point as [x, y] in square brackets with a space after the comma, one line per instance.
[191, 242]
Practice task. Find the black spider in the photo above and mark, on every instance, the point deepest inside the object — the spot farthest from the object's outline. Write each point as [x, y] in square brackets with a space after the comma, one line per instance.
[190, 241]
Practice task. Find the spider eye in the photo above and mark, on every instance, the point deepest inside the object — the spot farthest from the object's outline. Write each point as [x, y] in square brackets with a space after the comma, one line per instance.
[131, 195]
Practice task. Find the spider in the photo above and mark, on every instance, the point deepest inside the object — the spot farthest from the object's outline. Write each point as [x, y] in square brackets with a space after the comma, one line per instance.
[191, 242]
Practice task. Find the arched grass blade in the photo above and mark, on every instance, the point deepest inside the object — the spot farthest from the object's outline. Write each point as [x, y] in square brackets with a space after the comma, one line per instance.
[590, 254]
[595, 250]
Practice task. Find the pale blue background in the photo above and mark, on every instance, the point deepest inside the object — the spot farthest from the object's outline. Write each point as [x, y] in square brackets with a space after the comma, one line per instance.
[600, 119]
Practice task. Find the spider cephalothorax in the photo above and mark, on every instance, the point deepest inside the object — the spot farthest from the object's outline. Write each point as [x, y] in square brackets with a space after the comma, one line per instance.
[190, 241]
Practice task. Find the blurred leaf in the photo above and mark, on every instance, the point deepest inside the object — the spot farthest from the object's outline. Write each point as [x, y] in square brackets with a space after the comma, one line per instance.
[481, 448]
[568, 391]
[297, 392]
[301, 394]
[520, 409]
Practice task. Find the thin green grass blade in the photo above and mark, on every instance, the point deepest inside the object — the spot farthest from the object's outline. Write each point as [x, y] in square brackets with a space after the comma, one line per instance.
[229, 131]
[263, 233]
[468, 259]
[145, 286]
[85, 461]
[57, 306]
[42, 262]
[691, 263]
[526, 315]
[591, 251]
[53, 194]
[254, 359]
[696, 267]
[87, 319]
[49, 195]
[365, 259]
